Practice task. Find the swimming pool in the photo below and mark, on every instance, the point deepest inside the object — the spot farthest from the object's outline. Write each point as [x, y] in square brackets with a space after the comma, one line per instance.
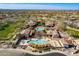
[34, 41]
[39, 28]
[39, 41]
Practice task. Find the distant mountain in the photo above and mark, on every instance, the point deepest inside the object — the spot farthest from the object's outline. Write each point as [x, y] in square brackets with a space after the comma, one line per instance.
[26, 9]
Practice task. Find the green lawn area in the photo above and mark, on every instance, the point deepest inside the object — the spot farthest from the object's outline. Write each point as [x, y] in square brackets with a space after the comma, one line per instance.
[72, 32]
[8, 31]
[5, 33]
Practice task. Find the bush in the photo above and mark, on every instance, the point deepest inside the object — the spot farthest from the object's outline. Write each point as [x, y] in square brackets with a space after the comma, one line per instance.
[2, 28]
[3, 25]
[6, 25]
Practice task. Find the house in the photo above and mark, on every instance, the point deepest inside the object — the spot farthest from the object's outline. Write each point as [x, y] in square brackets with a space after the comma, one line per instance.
[1, 16]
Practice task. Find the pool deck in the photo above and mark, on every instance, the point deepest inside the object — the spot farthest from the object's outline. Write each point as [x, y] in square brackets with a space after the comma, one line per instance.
[58, 43]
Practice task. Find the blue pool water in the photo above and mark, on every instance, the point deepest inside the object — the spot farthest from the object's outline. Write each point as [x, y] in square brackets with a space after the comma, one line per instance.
[39, 29]
[37, 41]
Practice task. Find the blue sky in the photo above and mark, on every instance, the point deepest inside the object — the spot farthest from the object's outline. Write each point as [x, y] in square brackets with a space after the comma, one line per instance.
[40, 6]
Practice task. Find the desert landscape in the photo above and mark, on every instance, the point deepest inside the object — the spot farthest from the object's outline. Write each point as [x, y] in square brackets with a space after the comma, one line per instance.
[40, 31]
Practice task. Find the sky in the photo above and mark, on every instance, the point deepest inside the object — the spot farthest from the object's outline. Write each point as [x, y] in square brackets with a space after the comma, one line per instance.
[40, 6]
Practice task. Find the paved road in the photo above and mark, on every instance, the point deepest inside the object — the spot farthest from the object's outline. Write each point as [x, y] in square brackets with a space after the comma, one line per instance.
[49, 54]
[16, 52]
[8, 52]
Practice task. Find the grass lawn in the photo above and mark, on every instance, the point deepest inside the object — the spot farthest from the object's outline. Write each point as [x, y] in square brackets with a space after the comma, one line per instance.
[7, 32]
[73, 32]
